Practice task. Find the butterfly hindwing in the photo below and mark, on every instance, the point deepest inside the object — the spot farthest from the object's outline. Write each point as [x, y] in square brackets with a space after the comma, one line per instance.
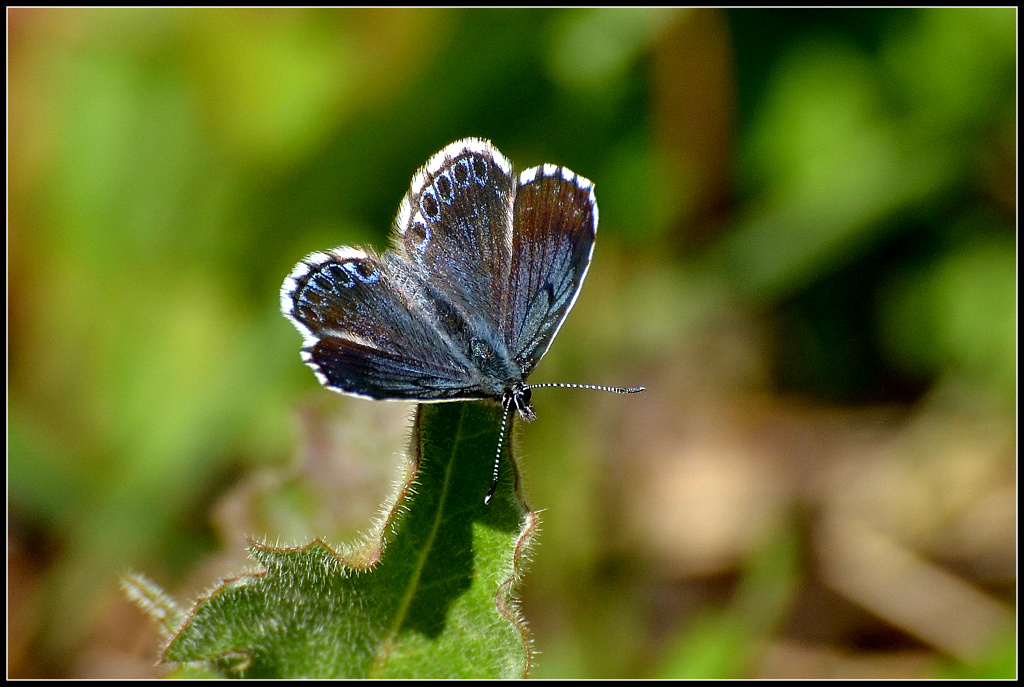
[364, 333]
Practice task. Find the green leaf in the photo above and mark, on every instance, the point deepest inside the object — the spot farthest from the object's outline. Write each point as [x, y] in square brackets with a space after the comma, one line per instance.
[429, 593]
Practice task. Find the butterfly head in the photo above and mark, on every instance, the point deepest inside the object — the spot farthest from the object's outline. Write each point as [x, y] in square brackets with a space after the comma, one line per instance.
[517, 397]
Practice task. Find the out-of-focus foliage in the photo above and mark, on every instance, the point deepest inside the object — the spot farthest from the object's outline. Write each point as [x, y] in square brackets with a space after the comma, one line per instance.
[807, 253]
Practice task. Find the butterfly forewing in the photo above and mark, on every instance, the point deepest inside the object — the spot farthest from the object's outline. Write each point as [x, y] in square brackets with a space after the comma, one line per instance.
[554, 226]
[454, 230]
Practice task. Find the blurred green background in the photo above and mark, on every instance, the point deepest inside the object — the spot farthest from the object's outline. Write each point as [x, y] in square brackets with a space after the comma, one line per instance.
[807, 254]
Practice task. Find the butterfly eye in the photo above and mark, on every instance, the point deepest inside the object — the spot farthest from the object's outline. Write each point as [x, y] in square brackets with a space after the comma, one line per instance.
[523, 399]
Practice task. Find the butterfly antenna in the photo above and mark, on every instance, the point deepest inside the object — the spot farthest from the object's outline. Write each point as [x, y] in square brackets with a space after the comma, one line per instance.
[595, 387]
[510, 405]
[497, 456]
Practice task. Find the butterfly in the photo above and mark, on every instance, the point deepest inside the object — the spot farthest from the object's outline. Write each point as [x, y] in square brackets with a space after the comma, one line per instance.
[483, 268]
